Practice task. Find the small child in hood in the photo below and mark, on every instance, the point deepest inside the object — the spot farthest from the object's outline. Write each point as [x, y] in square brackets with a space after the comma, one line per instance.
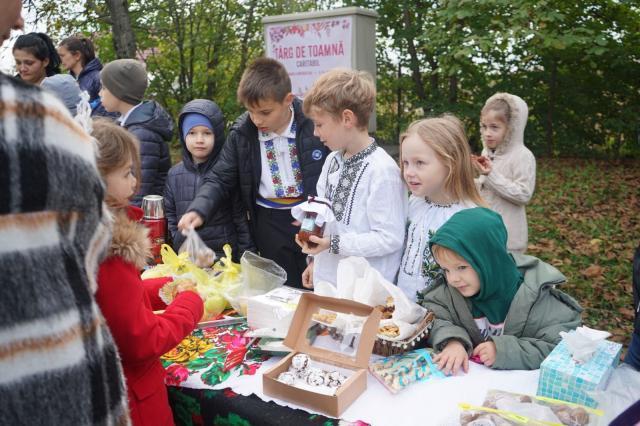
[503, 309]
[126, 301]
[507, 167]
[201, 130]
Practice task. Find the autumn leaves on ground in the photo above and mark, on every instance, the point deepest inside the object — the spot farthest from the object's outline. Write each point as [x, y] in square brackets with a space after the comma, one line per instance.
[585, 219]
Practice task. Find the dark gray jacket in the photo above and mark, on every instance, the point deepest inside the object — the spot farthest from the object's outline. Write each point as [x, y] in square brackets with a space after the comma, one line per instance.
[229, 223]
[153, 127]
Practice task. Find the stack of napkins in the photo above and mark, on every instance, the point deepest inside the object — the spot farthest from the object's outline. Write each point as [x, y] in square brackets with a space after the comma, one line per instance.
[270, 314]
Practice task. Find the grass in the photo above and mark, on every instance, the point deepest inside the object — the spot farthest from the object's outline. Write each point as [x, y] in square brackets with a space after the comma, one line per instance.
[585, 219]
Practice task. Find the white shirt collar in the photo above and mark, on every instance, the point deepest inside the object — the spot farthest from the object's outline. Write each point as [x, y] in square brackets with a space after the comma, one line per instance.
[288, 133]
[123, 118]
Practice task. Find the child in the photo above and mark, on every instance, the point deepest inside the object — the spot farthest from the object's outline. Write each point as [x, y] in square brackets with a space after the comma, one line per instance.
[272, 159]
[436, 166]
[503, 309]
[78, 56]
[124, 82]
[36, 58]
[201, 130]
[126, 301]
[360, 179]
[507, 167]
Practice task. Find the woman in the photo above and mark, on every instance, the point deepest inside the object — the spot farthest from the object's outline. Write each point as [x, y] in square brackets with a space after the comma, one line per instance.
[36, 58]
[78, 56]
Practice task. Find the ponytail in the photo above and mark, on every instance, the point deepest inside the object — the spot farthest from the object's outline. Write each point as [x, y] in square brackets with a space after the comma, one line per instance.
[81, 45]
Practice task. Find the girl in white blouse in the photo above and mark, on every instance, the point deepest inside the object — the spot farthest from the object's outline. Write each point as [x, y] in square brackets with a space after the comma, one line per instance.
[363, 183]
[436, 166]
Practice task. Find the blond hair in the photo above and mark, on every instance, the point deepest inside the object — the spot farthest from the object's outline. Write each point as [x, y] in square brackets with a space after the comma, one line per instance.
[442, 253]
[446, 136]
[264, 79]
[500, 107]
[340, 89]
[115, 147]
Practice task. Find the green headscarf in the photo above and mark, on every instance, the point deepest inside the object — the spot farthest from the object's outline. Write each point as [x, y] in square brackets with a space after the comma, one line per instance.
[479, 236]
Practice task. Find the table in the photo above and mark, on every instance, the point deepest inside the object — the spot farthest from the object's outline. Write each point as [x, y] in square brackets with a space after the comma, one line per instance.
[202, 394]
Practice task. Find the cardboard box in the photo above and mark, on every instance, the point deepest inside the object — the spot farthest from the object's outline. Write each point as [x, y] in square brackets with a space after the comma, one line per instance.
[562, 378]
[357, 362]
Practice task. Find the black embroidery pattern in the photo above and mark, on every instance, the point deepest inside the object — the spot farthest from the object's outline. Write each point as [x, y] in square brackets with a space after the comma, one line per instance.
[347, 180]
[334, 245]
[353, 196]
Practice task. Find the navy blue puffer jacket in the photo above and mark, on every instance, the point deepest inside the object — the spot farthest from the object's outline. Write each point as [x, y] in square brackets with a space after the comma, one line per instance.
[229, 223]
[153, 127]
[89, 81]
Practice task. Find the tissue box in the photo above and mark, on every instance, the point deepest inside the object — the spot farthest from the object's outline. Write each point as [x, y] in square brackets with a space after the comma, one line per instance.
[561, 378]
[273, 312]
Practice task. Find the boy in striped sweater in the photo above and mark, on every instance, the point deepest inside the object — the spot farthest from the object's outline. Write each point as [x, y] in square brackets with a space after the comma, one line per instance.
[58, 362]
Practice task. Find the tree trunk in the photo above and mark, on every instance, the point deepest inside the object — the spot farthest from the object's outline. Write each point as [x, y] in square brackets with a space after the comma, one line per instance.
[453, 89]
[244, 48]
[414, 61]
[551, 100]
[124, 40]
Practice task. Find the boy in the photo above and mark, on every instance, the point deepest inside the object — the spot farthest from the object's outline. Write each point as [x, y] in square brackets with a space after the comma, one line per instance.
[201, 130]
[503, 309]
[273, 159]
[124, 82]
[363, 183]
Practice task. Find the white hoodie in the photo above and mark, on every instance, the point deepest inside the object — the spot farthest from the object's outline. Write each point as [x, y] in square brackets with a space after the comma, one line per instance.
[510, 184]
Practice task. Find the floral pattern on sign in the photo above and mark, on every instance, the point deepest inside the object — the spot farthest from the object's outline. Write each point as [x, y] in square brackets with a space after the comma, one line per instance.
[204, 351]
[277, 33]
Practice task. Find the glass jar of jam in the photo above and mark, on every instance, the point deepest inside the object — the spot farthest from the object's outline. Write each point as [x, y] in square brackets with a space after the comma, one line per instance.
[309, 226]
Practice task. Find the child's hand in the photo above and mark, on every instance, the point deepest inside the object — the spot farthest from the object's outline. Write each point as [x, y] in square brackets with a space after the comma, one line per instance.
[487, 353]
[190, 220]
[307, 276]
[452, 357]
[186, 285]
[323, 244]
[483, 164]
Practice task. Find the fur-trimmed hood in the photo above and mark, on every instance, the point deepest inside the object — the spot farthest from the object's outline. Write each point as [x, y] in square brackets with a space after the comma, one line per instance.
[516, 125]
[130, 239]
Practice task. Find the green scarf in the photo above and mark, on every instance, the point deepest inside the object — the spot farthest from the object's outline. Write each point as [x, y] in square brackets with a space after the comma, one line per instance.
[479, 236]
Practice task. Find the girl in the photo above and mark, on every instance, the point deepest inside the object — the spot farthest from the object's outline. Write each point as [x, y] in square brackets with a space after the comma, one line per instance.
[436, 166]
[201, 130]
[126, 301]
[503, 309]
[36, 58]
[78, 56]
[507, 167]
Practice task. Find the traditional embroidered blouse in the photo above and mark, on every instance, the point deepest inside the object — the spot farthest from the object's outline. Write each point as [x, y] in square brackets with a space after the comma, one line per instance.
[418, 267]
[369, 202]
[281, 176]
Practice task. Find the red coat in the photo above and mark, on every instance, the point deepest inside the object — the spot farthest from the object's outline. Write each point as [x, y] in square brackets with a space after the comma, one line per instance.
[127, 303]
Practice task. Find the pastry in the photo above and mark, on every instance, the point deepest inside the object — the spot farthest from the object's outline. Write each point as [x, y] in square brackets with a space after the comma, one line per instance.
[300, 361]
[390, 330]
[287, 378]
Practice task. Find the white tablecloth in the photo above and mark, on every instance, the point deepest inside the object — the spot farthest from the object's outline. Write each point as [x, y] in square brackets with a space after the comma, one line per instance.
[427, 403]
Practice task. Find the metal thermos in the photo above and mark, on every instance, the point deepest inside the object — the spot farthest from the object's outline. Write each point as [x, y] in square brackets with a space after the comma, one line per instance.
[154, 219]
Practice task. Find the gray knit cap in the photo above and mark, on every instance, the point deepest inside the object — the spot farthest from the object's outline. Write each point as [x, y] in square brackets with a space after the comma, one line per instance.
[126, 79]
[66, 88]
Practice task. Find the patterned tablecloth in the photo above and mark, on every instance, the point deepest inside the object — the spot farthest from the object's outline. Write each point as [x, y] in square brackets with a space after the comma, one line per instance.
[200, 392]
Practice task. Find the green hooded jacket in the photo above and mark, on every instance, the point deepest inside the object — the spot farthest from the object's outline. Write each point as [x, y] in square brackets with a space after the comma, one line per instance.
[538, 310]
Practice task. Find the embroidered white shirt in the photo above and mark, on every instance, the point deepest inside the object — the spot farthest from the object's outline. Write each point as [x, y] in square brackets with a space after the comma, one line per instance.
[425, 218]
[283, 159]
[369, 202]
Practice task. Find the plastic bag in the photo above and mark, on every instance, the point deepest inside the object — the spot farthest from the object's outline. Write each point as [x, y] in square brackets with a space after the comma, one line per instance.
[396, 372]
[509, 408]
[201, 255]
[259, 276]
[622, 390]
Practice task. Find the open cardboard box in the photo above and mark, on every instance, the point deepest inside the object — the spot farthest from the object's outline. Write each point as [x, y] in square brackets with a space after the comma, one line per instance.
[333, 405]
